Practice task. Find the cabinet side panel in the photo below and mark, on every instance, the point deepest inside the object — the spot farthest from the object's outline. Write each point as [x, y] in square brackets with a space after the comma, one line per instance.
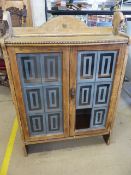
[18, 91]
[7, 54]
[117, 84]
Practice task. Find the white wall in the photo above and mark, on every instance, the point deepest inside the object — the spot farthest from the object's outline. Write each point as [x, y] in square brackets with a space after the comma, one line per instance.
[38, 12]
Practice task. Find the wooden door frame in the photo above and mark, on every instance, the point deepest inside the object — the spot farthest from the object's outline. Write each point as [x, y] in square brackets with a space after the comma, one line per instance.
[12, 51]
[117, 83]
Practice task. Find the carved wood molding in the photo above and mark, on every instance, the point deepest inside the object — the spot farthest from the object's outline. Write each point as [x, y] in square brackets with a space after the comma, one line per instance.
[64, 30]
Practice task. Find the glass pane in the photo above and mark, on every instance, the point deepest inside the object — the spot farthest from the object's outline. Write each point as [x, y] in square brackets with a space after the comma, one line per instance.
[98, 117]
[33, 99]
[54, 122]
[42, 91]
[106, 65]
[84, 97]
[95, 71]
[53, 98]
[51, 67]
[37, 124]
[30, 68]
[86, 66]
[102, 94]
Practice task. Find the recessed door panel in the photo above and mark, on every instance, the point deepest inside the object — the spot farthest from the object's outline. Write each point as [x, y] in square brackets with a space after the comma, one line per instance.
[37, 125]
[53, 98]
[86, 66]
[84, 97]
[29, 65]
[54, 122]
[98, 117]
[51, 67]
[102, 94]
[33, 99]
[106, 65]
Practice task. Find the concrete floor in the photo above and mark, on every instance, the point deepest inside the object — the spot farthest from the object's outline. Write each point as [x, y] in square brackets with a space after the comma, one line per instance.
[78, 157]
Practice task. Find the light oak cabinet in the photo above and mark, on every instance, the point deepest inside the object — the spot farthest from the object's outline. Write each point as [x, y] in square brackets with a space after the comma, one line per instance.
[65, 83]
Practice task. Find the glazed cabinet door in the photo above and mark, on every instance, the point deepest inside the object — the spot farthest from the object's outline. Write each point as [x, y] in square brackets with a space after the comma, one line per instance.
[90, 91]
[44, 80]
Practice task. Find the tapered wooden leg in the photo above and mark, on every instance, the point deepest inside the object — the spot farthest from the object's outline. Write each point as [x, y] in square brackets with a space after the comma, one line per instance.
[107, 138]
[25, 148]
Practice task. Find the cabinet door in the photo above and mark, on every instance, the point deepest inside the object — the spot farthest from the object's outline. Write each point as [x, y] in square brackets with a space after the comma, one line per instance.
[91, 77]
[45, 90]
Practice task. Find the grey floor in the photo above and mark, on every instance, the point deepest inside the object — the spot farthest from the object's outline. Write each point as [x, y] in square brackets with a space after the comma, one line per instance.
[79, 157]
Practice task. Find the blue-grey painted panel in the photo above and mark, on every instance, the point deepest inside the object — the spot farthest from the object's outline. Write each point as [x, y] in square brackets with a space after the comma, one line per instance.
[53, 98]
[84, 97]
[86, 66]
[51, 66]
[98, 118]
[106, 65]
[37, 124]
[33, 99]
[51, 69]
[102, 94]
[29, 68]
[54, 123]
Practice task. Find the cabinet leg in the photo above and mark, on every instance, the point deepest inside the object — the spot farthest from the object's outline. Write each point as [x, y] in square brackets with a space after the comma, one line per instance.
[25, 148]
[107, 138]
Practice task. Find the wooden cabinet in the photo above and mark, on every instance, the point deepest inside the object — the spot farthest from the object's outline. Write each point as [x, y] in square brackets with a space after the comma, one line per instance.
[65, 82]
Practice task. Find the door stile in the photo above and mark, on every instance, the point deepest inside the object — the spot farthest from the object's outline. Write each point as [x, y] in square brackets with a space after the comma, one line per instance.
[65, 80]
[73, 75]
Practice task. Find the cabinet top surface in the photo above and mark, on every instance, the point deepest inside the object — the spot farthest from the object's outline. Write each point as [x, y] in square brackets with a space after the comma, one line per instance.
[64, 30]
